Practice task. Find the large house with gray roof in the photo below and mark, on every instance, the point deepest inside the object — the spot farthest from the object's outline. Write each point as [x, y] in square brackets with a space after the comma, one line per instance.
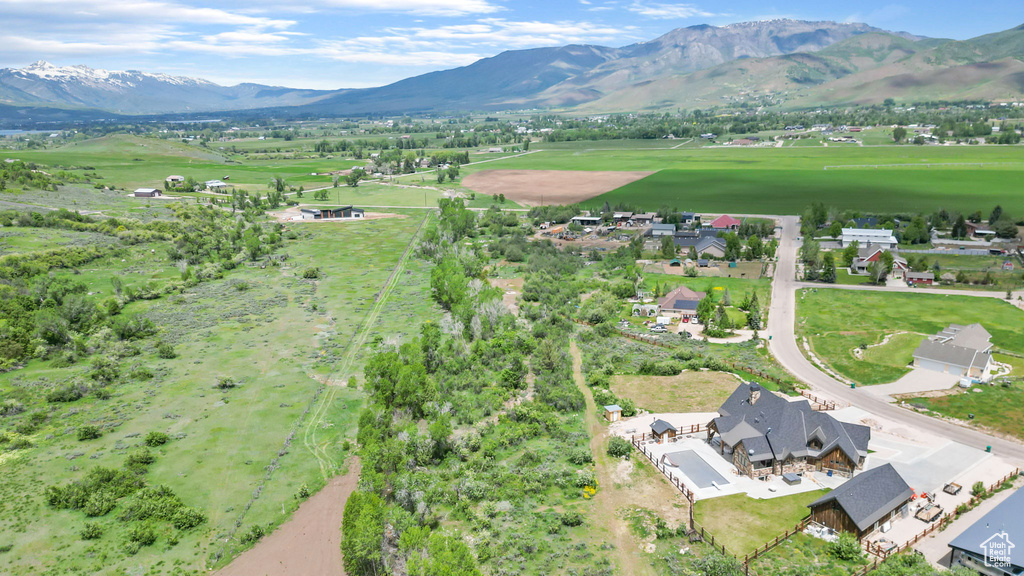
[864, 503]
[964, 351]
[682, 301]
[768, 435]
[987, 546]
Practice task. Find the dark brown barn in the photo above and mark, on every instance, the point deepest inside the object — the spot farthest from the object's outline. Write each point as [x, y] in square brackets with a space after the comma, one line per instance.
[864, 503]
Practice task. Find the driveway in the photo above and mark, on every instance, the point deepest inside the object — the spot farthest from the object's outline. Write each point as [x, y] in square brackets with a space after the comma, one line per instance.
[784, 347]
[918, 380]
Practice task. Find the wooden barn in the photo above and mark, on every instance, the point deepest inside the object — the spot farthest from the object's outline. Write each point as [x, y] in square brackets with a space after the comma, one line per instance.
[864, 503]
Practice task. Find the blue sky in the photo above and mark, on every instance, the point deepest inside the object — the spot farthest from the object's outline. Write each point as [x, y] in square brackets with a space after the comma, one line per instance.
[357, 43]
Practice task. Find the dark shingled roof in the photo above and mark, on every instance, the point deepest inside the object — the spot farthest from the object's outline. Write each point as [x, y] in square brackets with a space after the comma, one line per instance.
[792, 424]
[869, 496]
[1007, 517]
[659, 427]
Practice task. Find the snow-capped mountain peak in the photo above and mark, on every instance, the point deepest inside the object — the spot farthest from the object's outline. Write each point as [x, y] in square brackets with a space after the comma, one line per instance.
[80, 73]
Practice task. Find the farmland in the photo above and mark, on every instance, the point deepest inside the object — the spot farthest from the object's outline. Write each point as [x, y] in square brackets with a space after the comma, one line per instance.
[838, 321]
[251, 353]
[787, 180]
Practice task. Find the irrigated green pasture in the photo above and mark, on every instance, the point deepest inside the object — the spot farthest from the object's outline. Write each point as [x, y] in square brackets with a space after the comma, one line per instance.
[837, 321]
[786, 180]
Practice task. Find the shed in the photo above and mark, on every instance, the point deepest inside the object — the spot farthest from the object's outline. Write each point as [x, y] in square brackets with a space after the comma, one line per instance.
[663, 431]
[864, 503]
[613, 412]
[146, 193]
[675, 262]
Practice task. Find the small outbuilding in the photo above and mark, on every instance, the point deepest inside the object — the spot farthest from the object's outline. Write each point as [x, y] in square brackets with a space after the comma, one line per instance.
[146, 193]
[864, 503]
[613, 413]
[663, 431]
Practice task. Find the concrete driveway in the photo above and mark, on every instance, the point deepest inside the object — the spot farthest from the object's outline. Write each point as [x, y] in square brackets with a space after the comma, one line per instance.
[918, 380]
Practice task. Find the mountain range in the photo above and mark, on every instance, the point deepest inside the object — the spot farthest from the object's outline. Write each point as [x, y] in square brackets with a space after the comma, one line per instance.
[785, 63]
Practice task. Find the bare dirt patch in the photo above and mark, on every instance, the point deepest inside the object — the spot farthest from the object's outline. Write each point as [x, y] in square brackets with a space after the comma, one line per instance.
[511, 288]
[309, 543]
[536, 187]
[691, 391]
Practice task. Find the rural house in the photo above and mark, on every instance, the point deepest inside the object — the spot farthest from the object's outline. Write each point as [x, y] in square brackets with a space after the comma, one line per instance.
[146, 193]
[659, 230]
[916, 278]
[993, 537]
[714, 247]
[645, 218]
[769, 435]
[872, 253]
[175, 179]
[864, 237]
[215, 185]
[958, 350]
[725, 222]
[864, 503]
[682, 301]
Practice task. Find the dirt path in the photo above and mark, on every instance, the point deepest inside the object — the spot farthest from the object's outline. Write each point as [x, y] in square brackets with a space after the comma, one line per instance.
[610, 497]
[309, 543]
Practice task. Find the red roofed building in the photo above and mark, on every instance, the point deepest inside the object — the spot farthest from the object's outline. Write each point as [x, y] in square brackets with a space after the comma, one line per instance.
[726, 222]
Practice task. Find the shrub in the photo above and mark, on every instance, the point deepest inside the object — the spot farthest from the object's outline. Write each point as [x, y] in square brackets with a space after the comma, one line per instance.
[91, 531]
[845, 548]
[139, 460]
[99, 503]
[143, 534]
[254, 534]
[166, 351]
[619, 447]
[89, 432]
[580, 456]
[311, 273]
[571, 518]
[978, 488]
[67, 393]
[225, 383]
[10, 407]
[132, 327]
[154, 439]
[303, 492]
[187, 518]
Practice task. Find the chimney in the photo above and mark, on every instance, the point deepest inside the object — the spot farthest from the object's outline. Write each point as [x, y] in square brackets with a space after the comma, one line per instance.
[755, 393]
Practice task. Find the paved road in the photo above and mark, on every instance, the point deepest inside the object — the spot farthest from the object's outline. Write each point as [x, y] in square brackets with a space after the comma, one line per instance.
[940, 291]
[783, 345]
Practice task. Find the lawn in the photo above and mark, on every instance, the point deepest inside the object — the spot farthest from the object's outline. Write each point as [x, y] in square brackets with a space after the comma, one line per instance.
[994, 407]
[275, 334]
[786, 180]
[737, 287]
[843, 276]
[836, 321]
[687, 392]
[743, 523]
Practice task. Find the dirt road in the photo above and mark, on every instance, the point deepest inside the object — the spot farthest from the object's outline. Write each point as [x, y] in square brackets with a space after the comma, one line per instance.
[613, 496]
[784, 347]
[309, 544]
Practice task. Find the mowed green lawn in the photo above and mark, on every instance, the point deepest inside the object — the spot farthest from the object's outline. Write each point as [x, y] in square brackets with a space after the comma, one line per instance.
[743, 523]
[836, 321]
[994, 407]
[786, 180]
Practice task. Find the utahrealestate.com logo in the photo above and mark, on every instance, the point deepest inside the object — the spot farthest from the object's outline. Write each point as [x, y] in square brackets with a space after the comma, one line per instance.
[997, 550]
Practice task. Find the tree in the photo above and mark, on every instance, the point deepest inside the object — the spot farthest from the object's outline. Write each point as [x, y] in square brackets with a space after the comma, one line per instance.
[363, 534]
[278, 184]
[726, 297]
[353, 177]
[836, 229]
[692, 253]
[828, 269]
[1005, 228]
[851, 251]
[959, 227]
[440, 176]
[755, 247]
[705, 308]
[668, 247]
[809, 252]
[899, 134]
[997, 213]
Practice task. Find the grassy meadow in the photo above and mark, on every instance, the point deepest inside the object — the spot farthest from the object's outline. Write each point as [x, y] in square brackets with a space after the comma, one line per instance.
[240, 454]
[838, 321]
[743, 523]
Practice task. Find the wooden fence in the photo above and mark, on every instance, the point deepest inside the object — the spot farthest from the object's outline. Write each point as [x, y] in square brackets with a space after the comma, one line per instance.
[691, 429]
[761, 550]
[937, 524]
[687, 493]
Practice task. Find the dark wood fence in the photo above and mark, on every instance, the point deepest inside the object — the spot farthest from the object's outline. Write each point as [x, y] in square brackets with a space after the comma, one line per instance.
[761, 550]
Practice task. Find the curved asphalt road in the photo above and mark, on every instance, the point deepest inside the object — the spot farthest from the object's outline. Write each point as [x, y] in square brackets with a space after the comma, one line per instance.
[783, 344]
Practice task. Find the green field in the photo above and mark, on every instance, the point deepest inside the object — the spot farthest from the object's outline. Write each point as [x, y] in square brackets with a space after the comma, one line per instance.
[743, 523]
[994, 407]
[786, 180]
[837, 321]
[278, 336]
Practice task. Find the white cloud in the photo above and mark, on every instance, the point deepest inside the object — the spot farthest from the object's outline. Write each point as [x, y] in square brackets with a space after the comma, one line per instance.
[417, 7]
[665, 11]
